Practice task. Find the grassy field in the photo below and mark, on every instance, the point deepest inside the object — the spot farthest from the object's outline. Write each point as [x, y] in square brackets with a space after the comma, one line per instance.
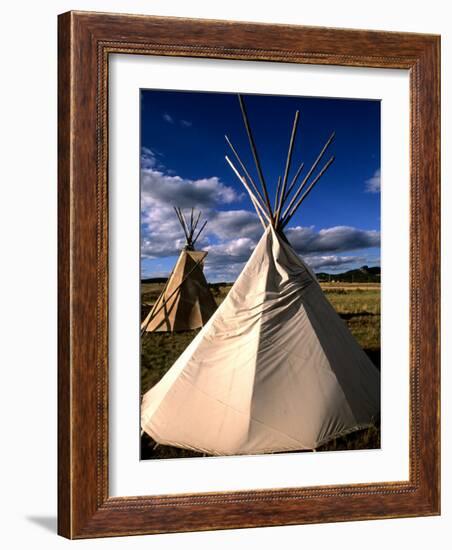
[357, 305]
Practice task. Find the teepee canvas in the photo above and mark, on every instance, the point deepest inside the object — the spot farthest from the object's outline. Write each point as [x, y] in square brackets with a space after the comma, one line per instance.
[186, 302]
[275, 368]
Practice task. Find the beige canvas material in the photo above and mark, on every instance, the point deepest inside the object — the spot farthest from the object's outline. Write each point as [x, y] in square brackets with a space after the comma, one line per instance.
[274, 369]
[186, 302]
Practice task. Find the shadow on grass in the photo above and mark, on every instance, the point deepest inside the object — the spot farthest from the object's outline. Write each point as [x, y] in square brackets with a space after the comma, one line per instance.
[356, 441]
[347, 316]
[149, 449]
[375, 356]
[360, 440]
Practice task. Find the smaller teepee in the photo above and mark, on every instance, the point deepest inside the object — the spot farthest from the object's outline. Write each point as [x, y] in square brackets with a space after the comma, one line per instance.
[186, 302]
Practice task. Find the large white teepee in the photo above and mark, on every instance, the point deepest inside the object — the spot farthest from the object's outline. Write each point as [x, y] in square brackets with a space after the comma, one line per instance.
[186, 302]
[275, 368]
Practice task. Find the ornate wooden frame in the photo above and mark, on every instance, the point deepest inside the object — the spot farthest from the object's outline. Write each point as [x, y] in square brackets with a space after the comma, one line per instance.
[85, 42]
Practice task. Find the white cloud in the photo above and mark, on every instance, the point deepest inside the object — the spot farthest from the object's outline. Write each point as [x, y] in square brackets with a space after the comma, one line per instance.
[157, 186]
[374, 182]
[161, 232]
[230, 235]
[223, 273]
[148, 159]
[235, 250]
[232, 224]
[171, 120]
[306, 240]
[162, 185]
[226, 260]
[333, 263]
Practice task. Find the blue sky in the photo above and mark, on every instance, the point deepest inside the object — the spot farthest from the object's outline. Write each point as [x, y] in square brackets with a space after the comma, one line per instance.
[182, 164]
